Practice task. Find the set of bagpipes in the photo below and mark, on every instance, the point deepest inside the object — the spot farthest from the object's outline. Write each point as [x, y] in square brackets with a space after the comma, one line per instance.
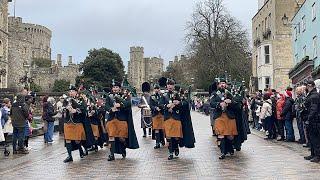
[178, 92]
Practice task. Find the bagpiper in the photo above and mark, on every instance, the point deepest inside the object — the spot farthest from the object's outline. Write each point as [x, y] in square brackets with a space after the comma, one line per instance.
[173, 126]
[74, 133]
[224, 114]
[157, 108]
[119, 124]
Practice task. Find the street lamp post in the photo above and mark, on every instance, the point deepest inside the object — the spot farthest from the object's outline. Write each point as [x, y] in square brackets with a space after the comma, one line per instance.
[285, 21]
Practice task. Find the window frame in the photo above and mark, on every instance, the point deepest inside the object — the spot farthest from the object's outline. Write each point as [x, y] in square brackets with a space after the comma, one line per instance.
[313, 12]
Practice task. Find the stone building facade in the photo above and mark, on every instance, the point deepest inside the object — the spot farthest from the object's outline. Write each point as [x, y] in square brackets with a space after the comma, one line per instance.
[306, 33]
[141, 69]
[272, 45]
[4, 36]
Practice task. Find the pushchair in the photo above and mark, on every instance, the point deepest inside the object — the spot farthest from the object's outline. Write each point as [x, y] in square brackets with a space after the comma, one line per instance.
[3, 143]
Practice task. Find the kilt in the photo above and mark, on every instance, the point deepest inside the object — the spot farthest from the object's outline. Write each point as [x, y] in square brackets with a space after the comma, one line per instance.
[225, 126]
[173, 128]
[95, 130]
[74, 131]
[117, 128]
[158, 122]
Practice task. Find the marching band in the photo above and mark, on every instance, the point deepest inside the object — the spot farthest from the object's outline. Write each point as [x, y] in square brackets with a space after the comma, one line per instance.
[95, 120]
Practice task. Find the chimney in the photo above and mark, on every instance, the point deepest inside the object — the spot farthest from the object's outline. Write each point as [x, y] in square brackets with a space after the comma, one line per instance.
[53, 62]
[176, 59]
[59, 60]
[70, 60]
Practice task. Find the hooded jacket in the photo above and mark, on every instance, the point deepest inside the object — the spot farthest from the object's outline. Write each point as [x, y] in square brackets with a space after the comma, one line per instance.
[19, 112]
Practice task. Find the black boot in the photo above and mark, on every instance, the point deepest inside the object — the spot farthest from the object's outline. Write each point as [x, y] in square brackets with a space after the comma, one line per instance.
[161, 138]
[176, 147]
[144, 132]
[96, 148]
[81, 151]
[124, 152]
[157, 141]
[170, 147]
[150, 132]
[69, 150]
[112, 150]
[223, 148]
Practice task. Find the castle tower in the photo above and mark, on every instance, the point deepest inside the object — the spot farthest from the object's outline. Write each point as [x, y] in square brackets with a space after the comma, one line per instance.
[136, 67]
[59, 60]
[70, 60]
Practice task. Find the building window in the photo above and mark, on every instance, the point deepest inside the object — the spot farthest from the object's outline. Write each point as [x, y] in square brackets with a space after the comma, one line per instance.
[315, 53]
[295, 34]
[1, 49]
[313, 11]
[296, 57]
[267, 82]
[304, 51]
[267, 54]
[269, 22]
[303, 24]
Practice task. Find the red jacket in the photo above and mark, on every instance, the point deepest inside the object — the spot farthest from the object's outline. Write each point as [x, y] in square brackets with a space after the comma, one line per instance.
[280, 104]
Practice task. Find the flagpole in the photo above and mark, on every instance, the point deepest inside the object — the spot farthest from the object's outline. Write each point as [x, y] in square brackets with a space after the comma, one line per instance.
[14, 8]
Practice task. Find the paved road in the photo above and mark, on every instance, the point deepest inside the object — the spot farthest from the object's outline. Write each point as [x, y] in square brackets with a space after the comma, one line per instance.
[259, 159]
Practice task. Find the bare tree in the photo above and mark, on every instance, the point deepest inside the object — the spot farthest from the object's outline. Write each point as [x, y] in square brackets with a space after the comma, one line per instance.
[217, 42]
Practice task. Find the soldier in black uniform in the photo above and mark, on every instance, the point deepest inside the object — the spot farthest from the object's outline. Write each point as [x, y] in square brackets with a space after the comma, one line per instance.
[157, 108]
[146, 118]
[75, 112]
[119, 124]
[172, 121]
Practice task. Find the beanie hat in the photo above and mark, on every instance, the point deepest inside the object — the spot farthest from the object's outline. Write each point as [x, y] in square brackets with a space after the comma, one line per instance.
[288, 94]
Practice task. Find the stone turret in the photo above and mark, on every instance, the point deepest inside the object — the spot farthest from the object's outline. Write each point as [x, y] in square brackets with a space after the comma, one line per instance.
[59, 60]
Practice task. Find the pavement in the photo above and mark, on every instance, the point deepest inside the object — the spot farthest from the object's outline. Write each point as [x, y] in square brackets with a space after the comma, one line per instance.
[259, 159]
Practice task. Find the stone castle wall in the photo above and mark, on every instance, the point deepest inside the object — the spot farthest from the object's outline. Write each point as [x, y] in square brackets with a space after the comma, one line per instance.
[45, 77]
[4, 37]
[28, 41]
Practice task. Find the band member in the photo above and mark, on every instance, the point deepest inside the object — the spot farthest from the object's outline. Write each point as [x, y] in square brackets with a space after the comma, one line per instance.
[225, 123]
[188, 139]
[119, 125]
[213, 116]
[172, 119]
[95, 123]
[75, 112]
[146, 118]
[157, 108]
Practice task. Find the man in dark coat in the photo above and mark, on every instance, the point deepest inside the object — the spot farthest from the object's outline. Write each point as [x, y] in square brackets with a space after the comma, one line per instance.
[19, 115]
[312, 106]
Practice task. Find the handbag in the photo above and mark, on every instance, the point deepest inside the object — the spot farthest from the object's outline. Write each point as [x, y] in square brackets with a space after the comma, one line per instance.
[8, 128]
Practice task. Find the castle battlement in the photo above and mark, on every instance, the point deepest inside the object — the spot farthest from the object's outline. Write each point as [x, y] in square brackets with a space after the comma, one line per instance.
[30, 27]
[136, 49]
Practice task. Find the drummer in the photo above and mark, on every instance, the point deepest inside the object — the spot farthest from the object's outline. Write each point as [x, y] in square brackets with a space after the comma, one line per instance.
[146, 118]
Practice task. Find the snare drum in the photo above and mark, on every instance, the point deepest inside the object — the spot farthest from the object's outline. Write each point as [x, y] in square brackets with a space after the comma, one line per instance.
[146, 112]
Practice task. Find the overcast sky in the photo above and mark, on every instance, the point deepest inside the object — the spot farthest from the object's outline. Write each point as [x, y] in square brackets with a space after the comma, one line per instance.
[157, 25]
